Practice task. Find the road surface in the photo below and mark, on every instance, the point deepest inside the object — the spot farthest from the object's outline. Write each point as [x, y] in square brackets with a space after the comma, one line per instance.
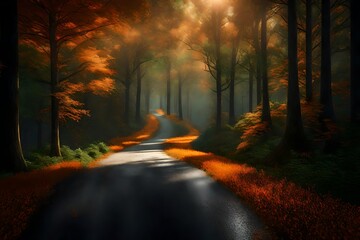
[142, 193]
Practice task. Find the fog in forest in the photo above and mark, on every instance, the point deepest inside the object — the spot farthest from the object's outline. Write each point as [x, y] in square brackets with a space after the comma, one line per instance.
[119, 61]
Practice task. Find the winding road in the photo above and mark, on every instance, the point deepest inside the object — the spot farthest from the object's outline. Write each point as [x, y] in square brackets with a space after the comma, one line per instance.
[142, 193]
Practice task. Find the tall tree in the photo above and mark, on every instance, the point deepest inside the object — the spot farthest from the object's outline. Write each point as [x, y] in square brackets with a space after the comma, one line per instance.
[294, 137]
[258, 60]
[180, 95]
[355, 64]
[251, 85]
[126, 69]
[12, 159]
[147, 95]
[168, 85]
[233, 63]
[265, 113]
[325, 79]
[52, 25]
[209, 42]
[139, 77]
[309, 87]
[217, 21]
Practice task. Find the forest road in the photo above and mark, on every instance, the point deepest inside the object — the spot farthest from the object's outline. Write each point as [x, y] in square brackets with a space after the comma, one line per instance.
[142, 193]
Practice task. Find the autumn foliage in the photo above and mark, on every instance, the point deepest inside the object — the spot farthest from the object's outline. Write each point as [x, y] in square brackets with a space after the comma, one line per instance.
[294, 212]
[119, 143]
[22, 194]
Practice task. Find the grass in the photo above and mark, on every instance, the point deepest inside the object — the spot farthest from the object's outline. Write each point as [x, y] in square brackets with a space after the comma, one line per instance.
[292, 211]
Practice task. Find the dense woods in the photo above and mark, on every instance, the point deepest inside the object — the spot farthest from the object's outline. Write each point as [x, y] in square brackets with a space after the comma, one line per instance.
[270, 83]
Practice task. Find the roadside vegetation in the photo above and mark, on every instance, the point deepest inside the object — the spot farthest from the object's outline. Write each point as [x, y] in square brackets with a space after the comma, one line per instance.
[292, 211]
[328, 167]
[39, 159]
[22, 194]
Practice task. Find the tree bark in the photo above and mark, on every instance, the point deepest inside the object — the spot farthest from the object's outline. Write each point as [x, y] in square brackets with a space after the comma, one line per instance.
[55, 121]
[258, 62]
[265, 114]
[251, 86]
[355, 64]
[217, 37]
[294, 137]
[39, 133]
[138, 94]
[180, 98]
[127, 95]
[147, 97]
[12, 156]
[325, 78]
[161, 102]
[232, 83]
[309, 87]
[188, 105]
[168, 87]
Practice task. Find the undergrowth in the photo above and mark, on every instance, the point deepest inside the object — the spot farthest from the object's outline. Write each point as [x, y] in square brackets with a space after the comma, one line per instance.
[292, 211]
[335, 173]
[40, 159]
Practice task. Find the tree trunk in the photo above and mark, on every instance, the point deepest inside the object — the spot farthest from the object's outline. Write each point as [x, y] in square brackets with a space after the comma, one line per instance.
[294, 137]
[161, 102]
[217, 36]
[232, 83]
[127, 96]
[168, 87]
[265, 114]
[355, 65]
[180, 98]
[12, 156]
[176, 103]
[325, 78]
[188, 105]
[251, 86]
[55, 122]
[138, 94]
[147, 98]
[309, 87]
[258, 62]
[39, 133]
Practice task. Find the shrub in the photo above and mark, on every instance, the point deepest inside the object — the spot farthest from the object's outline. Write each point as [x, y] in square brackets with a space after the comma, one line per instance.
[83, 157]
[67, 153]
[223, 142]
[93, 151]
[37, 160]
[103, 148]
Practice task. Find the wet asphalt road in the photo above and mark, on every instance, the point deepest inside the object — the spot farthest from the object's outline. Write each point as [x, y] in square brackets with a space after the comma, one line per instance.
[142, 193]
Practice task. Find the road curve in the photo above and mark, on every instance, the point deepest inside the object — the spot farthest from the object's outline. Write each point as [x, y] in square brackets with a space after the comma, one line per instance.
[142, 193]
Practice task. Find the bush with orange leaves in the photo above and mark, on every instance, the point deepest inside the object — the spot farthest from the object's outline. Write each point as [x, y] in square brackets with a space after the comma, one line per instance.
[23, 193]
[119, 143]
[292, 211]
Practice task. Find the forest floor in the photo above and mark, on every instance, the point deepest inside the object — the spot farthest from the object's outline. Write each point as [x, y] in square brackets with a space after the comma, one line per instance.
[23, 194]
[142, 193]
[289, 210]
[292, 211]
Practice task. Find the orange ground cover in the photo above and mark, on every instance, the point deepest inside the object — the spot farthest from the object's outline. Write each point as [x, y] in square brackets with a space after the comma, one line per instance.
[22, 194]
[292, 211]
[152, 125]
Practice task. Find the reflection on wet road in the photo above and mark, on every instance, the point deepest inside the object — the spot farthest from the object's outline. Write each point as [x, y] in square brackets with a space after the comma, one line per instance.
[142, 193]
